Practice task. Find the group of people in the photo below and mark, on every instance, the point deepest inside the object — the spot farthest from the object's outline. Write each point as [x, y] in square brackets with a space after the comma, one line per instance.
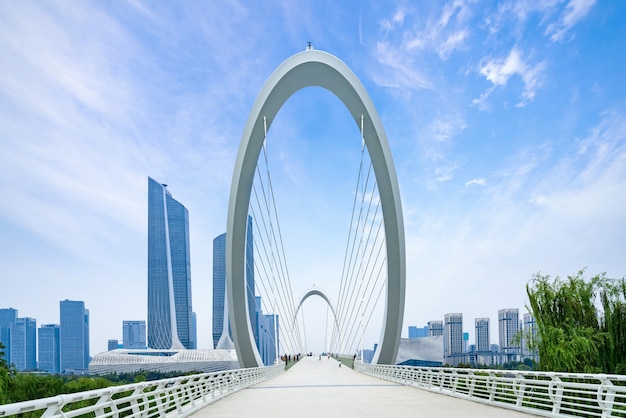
[287, 358]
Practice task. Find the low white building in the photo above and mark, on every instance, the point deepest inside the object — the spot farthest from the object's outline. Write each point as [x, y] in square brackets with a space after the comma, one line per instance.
[131, 361]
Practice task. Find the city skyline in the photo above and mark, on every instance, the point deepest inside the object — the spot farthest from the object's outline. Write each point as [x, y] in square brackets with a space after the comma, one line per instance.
[506, 123]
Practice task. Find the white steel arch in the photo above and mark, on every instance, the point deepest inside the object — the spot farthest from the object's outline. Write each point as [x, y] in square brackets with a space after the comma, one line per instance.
[314, 68]
[316, 291]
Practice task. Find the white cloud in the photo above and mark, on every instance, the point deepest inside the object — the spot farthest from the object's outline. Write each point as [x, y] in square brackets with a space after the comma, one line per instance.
[499, 71]
[574, 12]
[397, 71]
[477, 182]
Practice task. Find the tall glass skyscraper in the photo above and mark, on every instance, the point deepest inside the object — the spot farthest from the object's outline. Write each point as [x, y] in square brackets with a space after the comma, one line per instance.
[74, 336]
[220, 310]
[7, 317]
[219, 287]
[24, 343]
[170, 321]
[49, 348]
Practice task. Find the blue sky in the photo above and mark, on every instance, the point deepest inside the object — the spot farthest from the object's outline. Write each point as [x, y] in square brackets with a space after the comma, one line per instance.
[506, 121]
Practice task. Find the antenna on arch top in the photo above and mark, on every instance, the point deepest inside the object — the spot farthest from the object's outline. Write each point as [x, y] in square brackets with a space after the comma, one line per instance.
[309, 47]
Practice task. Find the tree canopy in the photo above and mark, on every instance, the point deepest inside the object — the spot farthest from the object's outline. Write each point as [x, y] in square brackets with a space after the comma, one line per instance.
[580, 323]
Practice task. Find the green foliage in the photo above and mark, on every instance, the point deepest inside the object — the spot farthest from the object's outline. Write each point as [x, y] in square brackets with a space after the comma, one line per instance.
[18, 387]
[581, 324]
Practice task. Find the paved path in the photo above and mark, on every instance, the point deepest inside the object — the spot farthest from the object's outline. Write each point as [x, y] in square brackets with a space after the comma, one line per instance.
[319, 388]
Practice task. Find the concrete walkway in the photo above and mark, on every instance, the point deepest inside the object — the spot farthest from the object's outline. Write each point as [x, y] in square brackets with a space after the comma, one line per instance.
[320, 388]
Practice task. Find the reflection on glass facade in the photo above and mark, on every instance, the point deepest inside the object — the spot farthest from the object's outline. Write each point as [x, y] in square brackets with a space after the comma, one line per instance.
[170, 320]
[74, 336]
[49, 348]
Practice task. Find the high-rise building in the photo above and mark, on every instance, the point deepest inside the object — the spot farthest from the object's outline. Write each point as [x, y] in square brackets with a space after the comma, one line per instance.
[415, 332]
[266, 334]
[7, 317]
[170, 322]
[221, 325]
[508, 327]
[49, 348]
[435, 328]
[482, 334]
[112, 345]
[134, 333]
[254, 323]
[24, 343]
[219, 289]
[453, 338]
[530, 334]
[74, 337]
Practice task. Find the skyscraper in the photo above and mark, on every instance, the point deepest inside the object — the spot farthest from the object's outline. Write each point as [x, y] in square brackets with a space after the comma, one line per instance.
[134, 333]
[219, 289]
[74, 336]
[482, 334]
[7, 317]
[435, 328]
[453, 338]
[24, 343]
[49, 348]
[170, 323]
[508, 327]
[221, 326]
[267, 334]
[530, 335]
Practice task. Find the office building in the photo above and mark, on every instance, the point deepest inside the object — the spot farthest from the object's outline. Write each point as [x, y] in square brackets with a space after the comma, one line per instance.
[222, 337]
[508, 327]
[482, 334]
[415, 332]
[453, 338]
[7, 317]
[134, 333]
[530, 334]
[113, 345]
[23, 336]
[220, 314]
[267, 334]
[435, 328]
[74, 337]
[49, 348]
[170, 322]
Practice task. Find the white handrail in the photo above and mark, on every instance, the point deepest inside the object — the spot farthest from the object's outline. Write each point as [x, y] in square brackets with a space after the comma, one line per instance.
[546, 394]
[179, 396]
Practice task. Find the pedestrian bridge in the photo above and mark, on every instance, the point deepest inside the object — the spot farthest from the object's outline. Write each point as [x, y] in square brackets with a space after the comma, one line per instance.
[319, 386]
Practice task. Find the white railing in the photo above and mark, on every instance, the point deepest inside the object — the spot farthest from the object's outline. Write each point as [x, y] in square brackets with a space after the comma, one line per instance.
[179, 397]
[541, 393]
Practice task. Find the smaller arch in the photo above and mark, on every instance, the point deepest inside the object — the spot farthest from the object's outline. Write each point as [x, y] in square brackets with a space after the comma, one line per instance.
[316, 291]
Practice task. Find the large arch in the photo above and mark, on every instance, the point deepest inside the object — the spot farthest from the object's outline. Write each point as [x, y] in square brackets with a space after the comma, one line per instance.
[316, 291]
[314, 68]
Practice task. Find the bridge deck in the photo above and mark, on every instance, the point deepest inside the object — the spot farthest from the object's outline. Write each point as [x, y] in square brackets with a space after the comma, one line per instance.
[315, 388]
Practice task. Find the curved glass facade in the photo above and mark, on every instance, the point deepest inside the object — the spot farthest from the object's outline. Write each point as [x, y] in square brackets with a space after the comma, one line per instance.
[170, 318]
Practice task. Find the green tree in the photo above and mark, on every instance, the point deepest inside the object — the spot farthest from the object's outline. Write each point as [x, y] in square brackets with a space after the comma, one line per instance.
[580, 323]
